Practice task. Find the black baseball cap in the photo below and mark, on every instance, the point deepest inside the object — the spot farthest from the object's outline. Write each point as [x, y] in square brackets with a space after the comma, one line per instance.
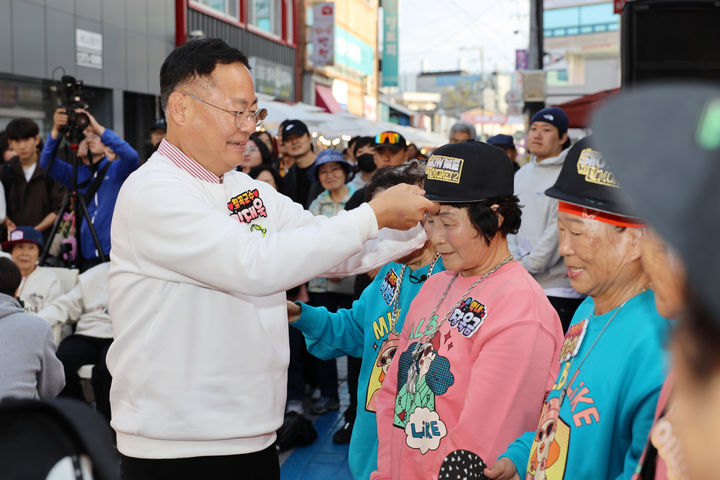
[466, 172]
[663, 141]
[159, 124]
[585, 180]
[294, 127]
[390, 139]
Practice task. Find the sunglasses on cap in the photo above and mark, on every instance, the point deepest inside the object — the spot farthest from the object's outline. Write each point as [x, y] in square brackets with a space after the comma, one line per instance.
[392, 138]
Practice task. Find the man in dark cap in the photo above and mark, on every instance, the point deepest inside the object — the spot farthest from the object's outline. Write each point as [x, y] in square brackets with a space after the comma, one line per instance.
[507, 145]
[535, 244]
[299, 148]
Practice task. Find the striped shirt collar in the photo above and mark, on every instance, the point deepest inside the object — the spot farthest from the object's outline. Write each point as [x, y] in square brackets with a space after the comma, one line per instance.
[186, 163]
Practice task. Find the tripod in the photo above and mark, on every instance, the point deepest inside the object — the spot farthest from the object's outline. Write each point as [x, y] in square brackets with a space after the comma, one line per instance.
[77, 199]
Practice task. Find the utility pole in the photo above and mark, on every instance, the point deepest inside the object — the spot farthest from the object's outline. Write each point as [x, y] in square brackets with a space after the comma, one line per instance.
[481, 50]
[536, 49]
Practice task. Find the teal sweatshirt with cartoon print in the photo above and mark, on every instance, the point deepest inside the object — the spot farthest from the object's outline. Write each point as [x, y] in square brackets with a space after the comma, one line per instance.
[365, 331]
[600, 427]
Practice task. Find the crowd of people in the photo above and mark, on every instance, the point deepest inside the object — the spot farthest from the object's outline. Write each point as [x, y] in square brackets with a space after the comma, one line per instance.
[499, 321]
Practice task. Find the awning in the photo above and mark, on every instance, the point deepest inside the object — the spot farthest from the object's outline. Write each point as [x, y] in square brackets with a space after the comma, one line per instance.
[325, 99]
[580, 110]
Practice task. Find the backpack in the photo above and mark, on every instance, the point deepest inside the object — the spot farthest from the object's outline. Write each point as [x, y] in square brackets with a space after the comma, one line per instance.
[55, 439]
[296, 431]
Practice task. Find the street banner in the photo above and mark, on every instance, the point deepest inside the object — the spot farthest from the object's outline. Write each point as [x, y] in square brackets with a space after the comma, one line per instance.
[323, 34]
[390, 43]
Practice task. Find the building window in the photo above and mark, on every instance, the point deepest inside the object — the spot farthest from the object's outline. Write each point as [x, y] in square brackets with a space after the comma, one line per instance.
[228, 8]
[266, 15]
[585, 19]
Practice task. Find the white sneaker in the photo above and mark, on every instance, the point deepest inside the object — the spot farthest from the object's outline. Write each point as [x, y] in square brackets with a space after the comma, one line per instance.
[294, 406]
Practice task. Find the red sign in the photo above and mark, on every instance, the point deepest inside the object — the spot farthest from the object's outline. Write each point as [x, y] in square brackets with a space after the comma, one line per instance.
[618, 5]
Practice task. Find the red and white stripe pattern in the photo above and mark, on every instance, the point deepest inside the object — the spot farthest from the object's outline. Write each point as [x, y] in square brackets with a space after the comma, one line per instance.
[170, 151]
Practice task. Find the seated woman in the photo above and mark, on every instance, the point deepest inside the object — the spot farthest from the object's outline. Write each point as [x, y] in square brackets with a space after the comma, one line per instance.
[370, 328]
[39, 285]
[597, 417]
[478, 349]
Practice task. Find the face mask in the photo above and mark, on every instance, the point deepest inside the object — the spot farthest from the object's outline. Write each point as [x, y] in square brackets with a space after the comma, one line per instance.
[366, 162]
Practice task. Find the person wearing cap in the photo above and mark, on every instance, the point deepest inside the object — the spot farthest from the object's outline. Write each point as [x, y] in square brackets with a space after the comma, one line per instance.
[28, 365]
[613, 362]
[39, 285]
[507, 145]
[535, 245]
[369, 329]
[679, 199]
[202, 256]
[299, 149]
[158, 130]
[478, 348]
[331, 170]
[388, 151]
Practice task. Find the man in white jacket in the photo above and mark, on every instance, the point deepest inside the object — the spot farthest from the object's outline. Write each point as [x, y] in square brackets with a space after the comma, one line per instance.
[202, 256]
[536, 243]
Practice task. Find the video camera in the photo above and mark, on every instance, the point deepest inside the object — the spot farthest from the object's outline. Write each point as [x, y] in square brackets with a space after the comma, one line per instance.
[72, 95]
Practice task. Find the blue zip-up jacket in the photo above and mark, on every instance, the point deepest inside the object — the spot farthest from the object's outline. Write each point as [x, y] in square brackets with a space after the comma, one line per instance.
[102, 205]
[600, 429]
[363, 331]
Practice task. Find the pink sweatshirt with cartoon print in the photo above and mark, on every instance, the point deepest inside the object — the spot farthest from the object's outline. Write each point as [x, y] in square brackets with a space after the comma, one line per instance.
[457, 395]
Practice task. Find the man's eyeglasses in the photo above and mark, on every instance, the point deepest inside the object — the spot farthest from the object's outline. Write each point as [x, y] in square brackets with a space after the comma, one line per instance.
[256, 116]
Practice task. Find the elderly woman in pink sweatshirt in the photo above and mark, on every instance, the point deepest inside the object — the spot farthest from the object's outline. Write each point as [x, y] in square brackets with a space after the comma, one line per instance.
[479, 347]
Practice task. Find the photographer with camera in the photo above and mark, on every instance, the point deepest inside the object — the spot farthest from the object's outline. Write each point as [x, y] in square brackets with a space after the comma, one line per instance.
[97, 175]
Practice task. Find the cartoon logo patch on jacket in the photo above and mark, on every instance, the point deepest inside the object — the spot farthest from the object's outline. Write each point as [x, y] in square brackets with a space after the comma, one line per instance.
[548, 453]
[423, 374]
[247, 206]
[385, 355]
[468, 317]
[389, 286]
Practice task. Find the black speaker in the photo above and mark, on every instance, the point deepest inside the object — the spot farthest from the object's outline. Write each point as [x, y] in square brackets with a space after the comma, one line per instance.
[670, 39]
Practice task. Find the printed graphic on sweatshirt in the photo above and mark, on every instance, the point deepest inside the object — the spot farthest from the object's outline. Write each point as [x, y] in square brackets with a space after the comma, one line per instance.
[389, 285]
[384, 357]
[423, 374]
[579, 395]
[573, 339]
[548, 453]
[256, 227]
[462, 464]
[468, 317]
[247, 206]
[34, 302]
[665, 440]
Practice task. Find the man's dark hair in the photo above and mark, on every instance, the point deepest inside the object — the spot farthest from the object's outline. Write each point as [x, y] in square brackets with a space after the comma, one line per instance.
[485, 219]
[361, 142]
[10, 277]
[412, 173]
[21, 128]
[195, 59]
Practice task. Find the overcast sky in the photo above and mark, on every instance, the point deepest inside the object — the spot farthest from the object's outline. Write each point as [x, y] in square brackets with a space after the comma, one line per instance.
[437, 30]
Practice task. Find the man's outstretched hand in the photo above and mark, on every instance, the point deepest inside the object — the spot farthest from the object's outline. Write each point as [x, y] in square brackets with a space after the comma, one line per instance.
[401, 206]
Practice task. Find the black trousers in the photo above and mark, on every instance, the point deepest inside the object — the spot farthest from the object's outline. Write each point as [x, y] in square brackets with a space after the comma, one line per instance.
[263, 465]
[565, 308]
[78, 350]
